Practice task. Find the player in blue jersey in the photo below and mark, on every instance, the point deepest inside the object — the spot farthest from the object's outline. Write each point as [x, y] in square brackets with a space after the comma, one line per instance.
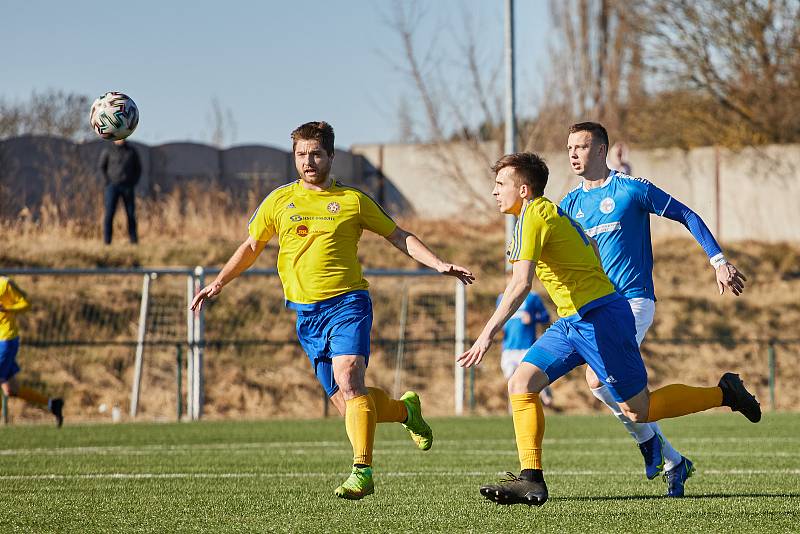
[614, 209]
[595, 327]
[519, 333]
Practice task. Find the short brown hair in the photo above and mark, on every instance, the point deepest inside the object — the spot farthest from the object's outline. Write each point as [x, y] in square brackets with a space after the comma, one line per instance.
[597, 130]
[319, 131]
[530, 166]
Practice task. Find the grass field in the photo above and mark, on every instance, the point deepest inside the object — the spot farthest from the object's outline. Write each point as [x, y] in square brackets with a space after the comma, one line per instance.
[280, 475]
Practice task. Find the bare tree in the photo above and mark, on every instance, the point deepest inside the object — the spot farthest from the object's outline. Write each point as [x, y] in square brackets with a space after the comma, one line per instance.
[597, 58]
[405, 122]
[47, 113]
[222, 123]
[448, 127]
[743, 55]
[655, 72]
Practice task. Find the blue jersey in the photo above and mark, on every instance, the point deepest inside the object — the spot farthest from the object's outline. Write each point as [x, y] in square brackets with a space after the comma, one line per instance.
[617, 216]
[516, 334]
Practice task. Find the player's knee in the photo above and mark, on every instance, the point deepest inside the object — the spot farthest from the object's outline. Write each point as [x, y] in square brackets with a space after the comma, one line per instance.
[635, 414]
[351, 384]
[521, 382]
[351, 389]
[591, 379]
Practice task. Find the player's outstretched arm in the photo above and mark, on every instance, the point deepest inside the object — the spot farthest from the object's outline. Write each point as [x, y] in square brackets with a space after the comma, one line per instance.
[239, 262]
[412, 246]
[515, 294]
[728, 276]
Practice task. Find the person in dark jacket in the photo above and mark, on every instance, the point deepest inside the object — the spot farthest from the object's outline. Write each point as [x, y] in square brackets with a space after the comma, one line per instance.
[120, 168]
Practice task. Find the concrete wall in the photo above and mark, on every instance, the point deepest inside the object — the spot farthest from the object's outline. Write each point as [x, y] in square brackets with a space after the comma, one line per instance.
[437, 181]
[752, 193]
[32, 167]
[247, 163]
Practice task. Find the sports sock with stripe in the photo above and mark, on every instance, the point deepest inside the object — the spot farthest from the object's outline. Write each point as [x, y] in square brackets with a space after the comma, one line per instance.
[641, 432]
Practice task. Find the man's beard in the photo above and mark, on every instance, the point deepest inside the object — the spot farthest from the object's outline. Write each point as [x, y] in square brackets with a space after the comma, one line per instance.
[318, 179]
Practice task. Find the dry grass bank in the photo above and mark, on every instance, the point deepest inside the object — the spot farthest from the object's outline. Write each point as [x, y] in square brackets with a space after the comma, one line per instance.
[241, 383]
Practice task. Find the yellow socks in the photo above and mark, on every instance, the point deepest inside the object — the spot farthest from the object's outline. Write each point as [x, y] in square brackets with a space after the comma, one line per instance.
[675, 400]
[361, 416]
[359, 420]
[32, 395]
[388, 410]
[529, 428]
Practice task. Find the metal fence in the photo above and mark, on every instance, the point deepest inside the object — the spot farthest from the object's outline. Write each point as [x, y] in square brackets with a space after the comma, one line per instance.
[125, 338]
[94, 333]
[762, 353]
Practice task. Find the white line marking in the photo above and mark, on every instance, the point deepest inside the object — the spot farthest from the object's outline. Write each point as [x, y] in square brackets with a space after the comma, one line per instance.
[550, 473]
[381, 445]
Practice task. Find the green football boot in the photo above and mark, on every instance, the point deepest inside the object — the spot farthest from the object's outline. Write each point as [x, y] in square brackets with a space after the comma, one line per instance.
[420, 432]
[357, 486]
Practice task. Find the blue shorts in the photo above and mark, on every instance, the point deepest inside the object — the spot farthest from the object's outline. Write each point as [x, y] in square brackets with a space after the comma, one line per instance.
[337, 326]
[8, 358]
[605, 338]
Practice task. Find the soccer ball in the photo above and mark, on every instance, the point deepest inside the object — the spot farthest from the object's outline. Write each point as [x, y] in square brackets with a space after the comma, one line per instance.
[114, 116]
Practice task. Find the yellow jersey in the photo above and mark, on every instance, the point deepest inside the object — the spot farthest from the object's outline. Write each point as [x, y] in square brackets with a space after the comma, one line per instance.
[565, 260]
[12, 301]
[318, 233]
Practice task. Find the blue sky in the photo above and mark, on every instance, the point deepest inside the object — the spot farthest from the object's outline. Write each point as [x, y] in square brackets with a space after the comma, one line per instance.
[271, 64]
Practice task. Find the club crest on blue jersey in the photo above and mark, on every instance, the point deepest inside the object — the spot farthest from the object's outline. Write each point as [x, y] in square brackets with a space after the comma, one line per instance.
[607, 205]
[617, 215]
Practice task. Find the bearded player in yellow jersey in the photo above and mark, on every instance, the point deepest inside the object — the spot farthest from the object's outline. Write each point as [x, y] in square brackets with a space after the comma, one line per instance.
[596, 327]
[318, 222]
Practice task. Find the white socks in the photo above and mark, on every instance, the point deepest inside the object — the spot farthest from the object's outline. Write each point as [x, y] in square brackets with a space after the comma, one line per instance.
[641, 432]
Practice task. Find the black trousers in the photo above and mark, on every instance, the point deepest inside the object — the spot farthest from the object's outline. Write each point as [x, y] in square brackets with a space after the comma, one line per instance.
[112, 196]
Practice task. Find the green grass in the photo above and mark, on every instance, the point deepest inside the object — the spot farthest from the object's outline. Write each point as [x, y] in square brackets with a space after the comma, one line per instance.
[280, 476]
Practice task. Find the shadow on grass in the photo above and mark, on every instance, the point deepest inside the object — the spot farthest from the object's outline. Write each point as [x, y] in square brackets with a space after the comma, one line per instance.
[659, 497]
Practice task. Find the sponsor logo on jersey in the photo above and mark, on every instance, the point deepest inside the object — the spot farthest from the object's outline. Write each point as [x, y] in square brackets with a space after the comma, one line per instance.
[290, 206]
[603, 228]
[611, 380]
[607, 205]
[333, 207]
[302, 230]
[579, 215]
[298, 218]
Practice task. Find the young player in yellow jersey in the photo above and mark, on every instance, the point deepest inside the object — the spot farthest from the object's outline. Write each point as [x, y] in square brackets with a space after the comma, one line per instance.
[12, 302]
[318, 222]
[596, 327]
